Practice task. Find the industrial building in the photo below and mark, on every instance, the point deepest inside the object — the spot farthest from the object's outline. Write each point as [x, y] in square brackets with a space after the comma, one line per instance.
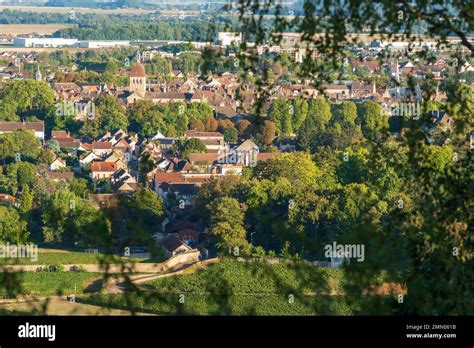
[44, 42]
[102, 44]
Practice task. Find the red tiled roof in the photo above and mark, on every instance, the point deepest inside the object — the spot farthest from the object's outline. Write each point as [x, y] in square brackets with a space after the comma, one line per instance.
[67, 142]
[195, 134]
[104, 166]
[11, 126]
[137, 70]
[169, 177]
[188, 234]
[102, 145]
[7, 198]
[203, 157]
[124, 143]
[60, 134]
[172, 242]
[369, 64]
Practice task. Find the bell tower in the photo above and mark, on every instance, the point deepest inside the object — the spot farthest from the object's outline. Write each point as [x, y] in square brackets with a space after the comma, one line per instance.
[138, 79]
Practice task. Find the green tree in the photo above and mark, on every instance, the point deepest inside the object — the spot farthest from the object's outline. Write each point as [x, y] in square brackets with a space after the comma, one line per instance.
[22, 142]
[187, 146]
[23, 173]
[268, 132]
[301, 109]
[279, 113]
[145, 118]
[26, 98]
[231, 135]
[372, 119]
[111, 114]
[26, 201]
[12, 228]
[227, 224]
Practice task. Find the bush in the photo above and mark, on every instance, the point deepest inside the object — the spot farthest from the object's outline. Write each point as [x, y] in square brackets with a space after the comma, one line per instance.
[54, 268]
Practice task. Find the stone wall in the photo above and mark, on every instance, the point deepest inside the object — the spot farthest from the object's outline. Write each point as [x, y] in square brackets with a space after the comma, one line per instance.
[176, 261]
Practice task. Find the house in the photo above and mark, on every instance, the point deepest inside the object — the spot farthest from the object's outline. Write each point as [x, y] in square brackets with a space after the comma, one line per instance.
[57, 164]
[8, 200]
[373, 66]
[225, 112]
[189, 236]
[204, 135]
[86, 158]
[336, 91]
[65, 140]
[182, 191]
[247, 153]
[118, 158]
[361, 90]
[173, 245]
[37, 127]
[197, 158]
[215, 145]
[129, 187]
[102, 170]
[438, 120]
[168, 177]
[224, 169]
[99, 148]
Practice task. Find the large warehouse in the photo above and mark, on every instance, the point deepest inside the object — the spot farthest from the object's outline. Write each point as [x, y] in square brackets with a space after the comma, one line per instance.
[44, 42]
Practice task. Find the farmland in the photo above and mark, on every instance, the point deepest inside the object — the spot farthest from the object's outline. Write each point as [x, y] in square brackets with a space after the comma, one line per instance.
[196, 304]
[236, 288]
[24, 29]
[45, 9]
[45, 283]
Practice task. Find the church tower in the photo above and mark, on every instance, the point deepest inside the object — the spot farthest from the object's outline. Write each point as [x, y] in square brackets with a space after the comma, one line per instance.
[38, 76]
[138, 79]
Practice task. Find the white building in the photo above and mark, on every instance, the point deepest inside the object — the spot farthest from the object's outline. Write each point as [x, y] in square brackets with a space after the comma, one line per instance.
[37, 127]
[43, 42]
[228, 39]
[103, 44]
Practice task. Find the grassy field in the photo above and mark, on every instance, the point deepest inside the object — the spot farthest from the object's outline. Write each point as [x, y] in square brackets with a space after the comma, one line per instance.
[68, 258]
[45, 283]
[23, 29]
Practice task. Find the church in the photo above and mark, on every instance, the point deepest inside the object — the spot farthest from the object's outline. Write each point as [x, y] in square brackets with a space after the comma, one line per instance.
[137, 83]
[139, 90]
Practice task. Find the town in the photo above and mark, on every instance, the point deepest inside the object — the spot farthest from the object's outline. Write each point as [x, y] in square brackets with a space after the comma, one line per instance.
[173, 155]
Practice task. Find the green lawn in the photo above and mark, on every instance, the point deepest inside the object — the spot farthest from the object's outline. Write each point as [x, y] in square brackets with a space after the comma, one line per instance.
[58, 258]
[45, 283]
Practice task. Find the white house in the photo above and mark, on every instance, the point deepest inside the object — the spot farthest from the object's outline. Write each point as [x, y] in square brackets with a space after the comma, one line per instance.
[57, 164]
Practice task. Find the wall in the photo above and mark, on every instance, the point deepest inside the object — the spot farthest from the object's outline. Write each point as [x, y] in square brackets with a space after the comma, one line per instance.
[170, 264]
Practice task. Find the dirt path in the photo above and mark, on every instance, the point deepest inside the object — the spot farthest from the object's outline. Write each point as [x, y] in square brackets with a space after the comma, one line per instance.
[62, 307]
